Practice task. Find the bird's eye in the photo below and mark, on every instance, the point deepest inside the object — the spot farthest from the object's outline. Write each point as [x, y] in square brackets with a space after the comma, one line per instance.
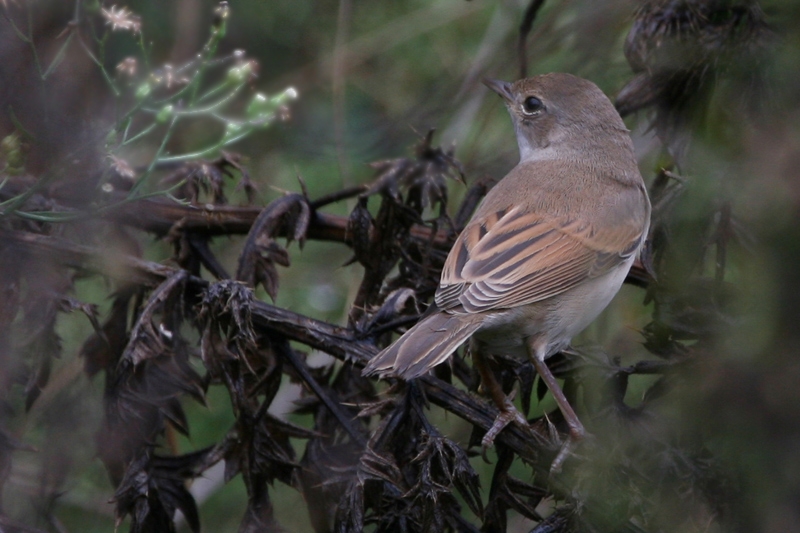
[532, 105]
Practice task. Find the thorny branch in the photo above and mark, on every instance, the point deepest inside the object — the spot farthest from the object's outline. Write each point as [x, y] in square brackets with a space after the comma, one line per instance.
[334, 340]
[372, 458]
[245, 347]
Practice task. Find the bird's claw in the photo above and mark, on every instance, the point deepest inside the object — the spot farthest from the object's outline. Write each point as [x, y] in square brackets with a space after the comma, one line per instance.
[508, 414]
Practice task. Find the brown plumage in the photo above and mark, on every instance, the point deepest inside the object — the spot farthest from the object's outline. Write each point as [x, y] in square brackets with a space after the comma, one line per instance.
[551, 243]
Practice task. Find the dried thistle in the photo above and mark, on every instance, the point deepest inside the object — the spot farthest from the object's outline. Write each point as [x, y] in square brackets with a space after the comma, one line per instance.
[680, 50]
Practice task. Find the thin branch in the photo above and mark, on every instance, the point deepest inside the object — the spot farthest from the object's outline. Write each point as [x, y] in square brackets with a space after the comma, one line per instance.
[158, 216]
[339, 195]
[524, 30]
[333, 406]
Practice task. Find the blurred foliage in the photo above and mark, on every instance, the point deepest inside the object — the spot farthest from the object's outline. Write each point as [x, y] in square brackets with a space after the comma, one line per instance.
[688, 383]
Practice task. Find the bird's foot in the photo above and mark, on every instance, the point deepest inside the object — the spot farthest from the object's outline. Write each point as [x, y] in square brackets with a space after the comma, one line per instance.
[508, 414]
[576, 435]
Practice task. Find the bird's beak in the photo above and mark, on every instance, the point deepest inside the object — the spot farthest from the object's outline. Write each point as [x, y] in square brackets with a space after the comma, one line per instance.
[503, 88]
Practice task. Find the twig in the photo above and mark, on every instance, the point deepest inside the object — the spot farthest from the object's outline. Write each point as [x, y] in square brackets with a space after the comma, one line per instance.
[343, 194]
[325, 397]
[159, 216]
[524, 30]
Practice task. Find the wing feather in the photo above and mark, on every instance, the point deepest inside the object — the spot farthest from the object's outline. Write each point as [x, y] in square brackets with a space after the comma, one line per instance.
[512, 258]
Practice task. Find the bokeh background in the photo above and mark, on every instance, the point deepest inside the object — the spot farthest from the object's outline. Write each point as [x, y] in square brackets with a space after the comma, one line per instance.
[372, 78]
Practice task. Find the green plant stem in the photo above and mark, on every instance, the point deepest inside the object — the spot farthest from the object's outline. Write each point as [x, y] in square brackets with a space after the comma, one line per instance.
[156, 159]
[226, 141]
[29, 40]
[74, 216]
[208, 52]
[112, 85]
[139, 135]
[145, 54]
[214, 91]
[208, 109]
[59, 55]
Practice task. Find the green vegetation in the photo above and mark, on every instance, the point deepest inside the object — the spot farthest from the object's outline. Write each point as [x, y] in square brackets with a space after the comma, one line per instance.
[160, 131]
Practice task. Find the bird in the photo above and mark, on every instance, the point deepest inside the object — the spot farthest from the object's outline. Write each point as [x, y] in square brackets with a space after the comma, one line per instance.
[544, 253]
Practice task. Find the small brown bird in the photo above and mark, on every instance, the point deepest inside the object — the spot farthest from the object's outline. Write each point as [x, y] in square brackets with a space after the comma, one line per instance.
[547, 249]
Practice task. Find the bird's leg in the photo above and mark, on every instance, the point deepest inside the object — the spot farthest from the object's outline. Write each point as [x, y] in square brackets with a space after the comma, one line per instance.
[508, 413]
[536, 352]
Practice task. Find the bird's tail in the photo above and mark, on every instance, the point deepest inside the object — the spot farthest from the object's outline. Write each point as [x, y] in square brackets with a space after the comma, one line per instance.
[424, 346]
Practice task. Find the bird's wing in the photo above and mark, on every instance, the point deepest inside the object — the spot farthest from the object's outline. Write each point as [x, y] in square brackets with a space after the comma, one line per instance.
[512, 258]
